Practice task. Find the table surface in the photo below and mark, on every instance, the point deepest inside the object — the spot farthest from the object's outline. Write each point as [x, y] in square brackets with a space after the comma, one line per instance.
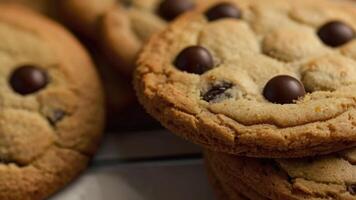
[153, 165]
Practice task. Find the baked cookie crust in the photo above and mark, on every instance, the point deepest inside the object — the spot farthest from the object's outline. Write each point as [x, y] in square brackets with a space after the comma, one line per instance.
[324, 177]
[51, 102]
[272, 38]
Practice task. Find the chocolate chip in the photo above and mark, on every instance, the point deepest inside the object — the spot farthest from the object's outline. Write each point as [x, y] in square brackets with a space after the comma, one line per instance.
[352, 189]
[194, 59]
[336, 33]
[28, 79]
[283, 89]
[56, 116]
[223, 10]
[170, 9]
[217, 92]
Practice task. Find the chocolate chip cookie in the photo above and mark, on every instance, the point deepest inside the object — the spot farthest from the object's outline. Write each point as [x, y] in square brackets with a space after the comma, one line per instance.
[256, 78]
[51, 105]
[325, 177]
[121, 26]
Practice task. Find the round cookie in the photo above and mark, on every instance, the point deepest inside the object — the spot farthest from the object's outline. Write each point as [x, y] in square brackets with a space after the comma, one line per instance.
[51, 102]
[325, 177]
[121, 27]
[257, 80]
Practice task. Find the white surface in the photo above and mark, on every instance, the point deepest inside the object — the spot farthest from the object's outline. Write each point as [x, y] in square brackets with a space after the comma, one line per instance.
[174, 180]
[142, 166]
[143, 145]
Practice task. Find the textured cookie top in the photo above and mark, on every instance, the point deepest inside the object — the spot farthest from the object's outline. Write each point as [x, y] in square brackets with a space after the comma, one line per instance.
[325, 177]
[51, 106]
[265, 78]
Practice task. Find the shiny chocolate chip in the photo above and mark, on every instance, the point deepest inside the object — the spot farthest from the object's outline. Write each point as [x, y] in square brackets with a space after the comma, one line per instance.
[352, 189]
[283, 89]
[217, 92]
[170, 9]
[28, 79]
[194, 59]
[223, 10]
[336, 33]
[57, 115]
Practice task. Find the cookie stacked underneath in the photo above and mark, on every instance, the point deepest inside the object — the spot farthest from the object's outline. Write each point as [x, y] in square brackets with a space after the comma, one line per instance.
[324, 177]
[268, 87]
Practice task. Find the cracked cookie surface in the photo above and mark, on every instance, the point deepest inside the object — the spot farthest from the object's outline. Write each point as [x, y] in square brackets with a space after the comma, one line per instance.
[277, 85]
[325, 177]
[51, 104]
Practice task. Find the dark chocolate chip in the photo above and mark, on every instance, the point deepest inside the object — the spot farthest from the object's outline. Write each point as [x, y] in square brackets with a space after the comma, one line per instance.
[283, 89]
[170, 9]
[56, 116]
[28, 79]
[351, 188]
[223, 10]
[194, 59]
[217, 92]
[336, 33]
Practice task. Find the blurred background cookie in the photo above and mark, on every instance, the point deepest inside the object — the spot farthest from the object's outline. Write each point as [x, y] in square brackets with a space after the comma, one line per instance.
[121, 27]
[115, 31]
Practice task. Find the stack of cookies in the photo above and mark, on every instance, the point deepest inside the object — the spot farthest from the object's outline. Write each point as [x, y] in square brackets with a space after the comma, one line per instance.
[268, 88]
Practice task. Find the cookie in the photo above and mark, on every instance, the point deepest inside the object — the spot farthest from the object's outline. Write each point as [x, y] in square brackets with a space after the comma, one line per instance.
[42, 6]
[83, 16]
[325, 177]
[222, 190]
[121, 27]
[51, 102]
[256, 78]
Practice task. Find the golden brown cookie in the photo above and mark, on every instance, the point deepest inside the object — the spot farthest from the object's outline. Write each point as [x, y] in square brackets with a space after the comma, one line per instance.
[42, 6]
[256, 78]
[325, 177]
[121, 27]
[222, 191]
[51, 103]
